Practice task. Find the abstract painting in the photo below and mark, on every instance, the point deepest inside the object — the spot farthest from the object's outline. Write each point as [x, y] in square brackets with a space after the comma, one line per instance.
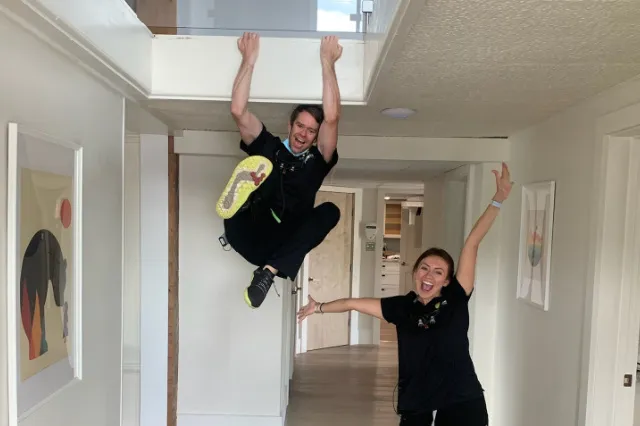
[536, 234]
[44, 242]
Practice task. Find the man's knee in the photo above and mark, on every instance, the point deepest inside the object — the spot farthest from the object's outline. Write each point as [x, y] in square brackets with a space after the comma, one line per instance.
[330, 212]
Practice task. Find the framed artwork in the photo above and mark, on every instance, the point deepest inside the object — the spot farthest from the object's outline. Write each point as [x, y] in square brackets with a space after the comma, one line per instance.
[44, 267]
[536, 235]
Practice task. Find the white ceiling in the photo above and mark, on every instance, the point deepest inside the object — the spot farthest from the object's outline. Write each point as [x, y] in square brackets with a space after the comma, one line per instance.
[475, 69]
[388, 171]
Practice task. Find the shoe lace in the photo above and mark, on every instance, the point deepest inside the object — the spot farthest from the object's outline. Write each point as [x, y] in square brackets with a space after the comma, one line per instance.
[264, 283]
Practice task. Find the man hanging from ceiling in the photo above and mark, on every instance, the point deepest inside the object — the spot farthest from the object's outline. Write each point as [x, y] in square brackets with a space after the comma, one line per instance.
[268, 203]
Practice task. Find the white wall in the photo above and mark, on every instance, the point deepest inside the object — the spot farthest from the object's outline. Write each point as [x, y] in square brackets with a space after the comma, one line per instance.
[484, 304]
[138, 121]
[542, 362]
[543, 356]
[433, 213]
[131, 285]
[367, 264]
[56, 102]
[377, 34]
[457, 223]
[111, 28]
[456, 150]
[204, 67]
[455, 197]
[231, 356]
[154, 278]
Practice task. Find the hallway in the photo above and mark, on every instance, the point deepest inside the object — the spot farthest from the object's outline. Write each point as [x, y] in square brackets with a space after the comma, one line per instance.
[349, 385]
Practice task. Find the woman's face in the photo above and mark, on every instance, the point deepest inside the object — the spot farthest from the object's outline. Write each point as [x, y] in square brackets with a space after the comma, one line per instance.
[430, 277]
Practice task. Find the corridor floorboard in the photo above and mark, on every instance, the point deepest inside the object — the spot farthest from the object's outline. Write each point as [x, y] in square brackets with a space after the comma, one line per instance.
[350, 385]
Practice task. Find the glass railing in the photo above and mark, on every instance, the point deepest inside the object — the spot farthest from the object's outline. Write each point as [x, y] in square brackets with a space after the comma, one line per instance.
[271, 18]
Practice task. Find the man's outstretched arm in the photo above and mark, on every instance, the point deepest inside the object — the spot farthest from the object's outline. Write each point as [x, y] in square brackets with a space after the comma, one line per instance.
[330, 52]
[248, 124]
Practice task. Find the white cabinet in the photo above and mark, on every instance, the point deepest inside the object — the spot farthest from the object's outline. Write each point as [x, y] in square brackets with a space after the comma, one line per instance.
[390, 278]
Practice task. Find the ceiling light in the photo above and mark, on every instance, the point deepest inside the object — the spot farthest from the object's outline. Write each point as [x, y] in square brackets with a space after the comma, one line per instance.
[398, 112]
[387, 198]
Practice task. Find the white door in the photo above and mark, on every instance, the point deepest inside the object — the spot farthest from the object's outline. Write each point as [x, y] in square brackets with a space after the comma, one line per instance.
[330, 275]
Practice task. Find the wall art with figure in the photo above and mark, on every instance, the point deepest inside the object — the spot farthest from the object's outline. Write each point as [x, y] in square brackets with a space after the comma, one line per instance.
[536, 229]
[44, 263]
[46, 244]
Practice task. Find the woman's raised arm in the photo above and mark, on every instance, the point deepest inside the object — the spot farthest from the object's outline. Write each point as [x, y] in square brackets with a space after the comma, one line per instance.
[466, 273]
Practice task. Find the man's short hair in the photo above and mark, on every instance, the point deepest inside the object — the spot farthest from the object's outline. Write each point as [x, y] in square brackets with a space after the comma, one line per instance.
[316, 112]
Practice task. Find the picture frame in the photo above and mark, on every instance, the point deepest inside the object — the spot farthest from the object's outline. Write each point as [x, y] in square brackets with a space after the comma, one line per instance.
[536, 240]
[44, 268]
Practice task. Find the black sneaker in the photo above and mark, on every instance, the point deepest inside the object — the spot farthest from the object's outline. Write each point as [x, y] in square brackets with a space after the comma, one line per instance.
[257, 291]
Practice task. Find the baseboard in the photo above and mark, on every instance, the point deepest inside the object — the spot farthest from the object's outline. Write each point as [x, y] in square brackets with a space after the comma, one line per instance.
[228, 420]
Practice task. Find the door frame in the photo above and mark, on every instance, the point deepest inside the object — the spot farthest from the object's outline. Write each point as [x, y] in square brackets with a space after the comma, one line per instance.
[303, 277]
[383, 191]
[612, 322]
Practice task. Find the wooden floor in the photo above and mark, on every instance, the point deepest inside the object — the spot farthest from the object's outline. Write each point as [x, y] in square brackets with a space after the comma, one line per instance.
[346, 386]
[388, 332]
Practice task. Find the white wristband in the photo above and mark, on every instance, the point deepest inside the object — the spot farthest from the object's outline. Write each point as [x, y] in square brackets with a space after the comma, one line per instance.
[496, 204]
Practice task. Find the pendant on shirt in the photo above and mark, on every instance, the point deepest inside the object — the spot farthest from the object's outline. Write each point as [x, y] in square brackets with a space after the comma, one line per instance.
[429, 320]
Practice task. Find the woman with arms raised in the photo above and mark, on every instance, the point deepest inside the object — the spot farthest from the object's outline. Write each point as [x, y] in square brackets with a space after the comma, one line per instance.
[436, 372]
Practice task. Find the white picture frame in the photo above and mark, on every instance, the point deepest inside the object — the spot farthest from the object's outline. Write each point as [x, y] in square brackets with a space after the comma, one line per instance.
[44, 260]
[536, 240]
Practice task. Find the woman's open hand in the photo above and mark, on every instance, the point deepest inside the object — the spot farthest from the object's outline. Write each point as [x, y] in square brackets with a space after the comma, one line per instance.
[503, 184]
[307, 309]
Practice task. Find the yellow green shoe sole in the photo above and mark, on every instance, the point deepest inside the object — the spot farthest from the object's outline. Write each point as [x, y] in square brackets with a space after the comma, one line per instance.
[246, 299]
[248, 175]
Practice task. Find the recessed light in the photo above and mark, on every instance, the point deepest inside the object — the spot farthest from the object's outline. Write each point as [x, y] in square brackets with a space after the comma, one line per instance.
[387, 198]
[398, 112]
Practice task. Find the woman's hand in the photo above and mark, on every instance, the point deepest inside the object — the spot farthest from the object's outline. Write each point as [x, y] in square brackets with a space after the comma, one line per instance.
[503, 184]
[307, 309]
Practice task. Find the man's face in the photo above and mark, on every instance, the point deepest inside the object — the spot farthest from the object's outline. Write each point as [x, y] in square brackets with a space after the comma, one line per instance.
[303, 132]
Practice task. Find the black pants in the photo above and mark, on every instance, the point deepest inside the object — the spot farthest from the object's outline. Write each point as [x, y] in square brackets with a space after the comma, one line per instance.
[261, 240]
[468, 413]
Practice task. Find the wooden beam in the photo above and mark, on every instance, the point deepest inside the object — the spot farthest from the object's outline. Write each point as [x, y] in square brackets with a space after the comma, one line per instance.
[161, 16]
[174, 202]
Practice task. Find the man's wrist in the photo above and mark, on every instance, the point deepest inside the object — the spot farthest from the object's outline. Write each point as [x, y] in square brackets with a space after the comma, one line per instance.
[327, 63]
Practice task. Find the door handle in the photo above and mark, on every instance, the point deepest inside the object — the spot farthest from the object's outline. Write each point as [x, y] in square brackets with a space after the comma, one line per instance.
[296, 289]
[312, 279]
